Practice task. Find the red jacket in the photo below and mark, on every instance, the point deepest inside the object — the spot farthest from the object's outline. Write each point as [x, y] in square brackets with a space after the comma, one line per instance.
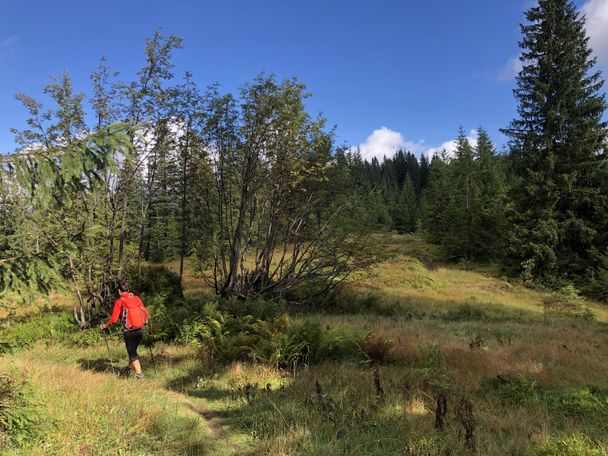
[120, 305]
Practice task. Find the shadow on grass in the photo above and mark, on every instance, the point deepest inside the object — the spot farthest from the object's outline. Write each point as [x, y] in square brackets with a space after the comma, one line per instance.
[417, 308]
[344, 418]
[162, 359]
[186, 384]
[104, 366]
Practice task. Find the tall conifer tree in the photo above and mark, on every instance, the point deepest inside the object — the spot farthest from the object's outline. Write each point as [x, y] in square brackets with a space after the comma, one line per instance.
[489, 212]
[460, 240]
[558, 148]
[409, 202]
[438, 200]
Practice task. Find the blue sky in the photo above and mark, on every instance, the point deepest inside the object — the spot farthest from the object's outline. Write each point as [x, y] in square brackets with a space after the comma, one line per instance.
[420, 69]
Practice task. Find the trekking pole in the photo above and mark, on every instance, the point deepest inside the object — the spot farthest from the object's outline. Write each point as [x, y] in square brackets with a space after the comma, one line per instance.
[152, 356]
[105, 338]
[149, 344]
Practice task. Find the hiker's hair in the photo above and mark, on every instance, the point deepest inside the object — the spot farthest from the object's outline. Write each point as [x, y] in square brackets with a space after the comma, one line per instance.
[123, 286]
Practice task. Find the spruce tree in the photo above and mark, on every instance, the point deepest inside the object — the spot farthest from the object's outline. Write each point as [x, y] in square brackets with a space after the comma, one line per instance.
[460, 238]
[488, 214]
[438, 201]
[424, 173]
[557, 147]
[413, 169]
[400, 165]
[408, 207]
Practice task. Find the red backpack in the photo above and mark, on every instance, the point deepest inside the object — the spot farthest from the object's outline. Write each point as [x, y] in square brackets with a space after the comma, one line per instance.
[134, 313]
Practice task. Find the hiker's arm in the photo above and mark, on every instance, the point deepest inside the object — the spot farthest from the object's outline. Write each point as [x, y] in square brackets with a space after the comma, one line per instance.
[115, 314]
[144, 307]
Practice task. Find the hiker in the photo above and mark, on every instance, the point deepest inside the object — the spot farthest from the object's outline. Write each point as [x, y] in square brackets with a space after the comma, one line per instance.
[134, 316]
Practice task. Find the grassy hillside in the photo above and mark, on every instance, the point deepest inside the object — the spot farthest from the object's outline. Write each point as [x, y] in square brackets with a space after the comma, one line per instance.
[533, 366]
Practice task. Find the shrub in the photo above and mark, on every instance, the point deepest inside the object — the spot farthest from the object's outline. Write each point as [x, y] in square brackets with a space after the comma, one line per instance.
[432, 357]
[573, 445]
[47, 326]
[307, 342]
[169, 319]
[258, 308]
[85, 338]
[516, 390]
[18, 415]
[239, 329]
[161, 291]
[157, 281]
[196, 322]
[597, 287]
[566, 303]
[584, 402]
[340, 343]
[225, 337]
[289, 351]
[377, 349]
[212, 325]
[228, 338]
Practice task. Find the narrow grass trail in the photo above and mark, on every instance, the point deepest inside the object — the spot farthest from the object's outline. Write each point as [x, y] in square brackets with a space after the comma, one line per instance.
[89, 410]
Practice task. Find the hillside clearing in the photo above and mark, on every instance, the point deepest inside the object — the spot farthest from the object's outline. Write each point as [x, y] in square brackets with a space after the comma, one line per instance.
[534, 381]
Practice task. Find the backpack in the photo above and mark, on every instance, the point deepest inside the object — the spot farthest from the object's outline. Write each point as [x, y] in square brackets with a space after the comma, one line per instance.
[134, 313]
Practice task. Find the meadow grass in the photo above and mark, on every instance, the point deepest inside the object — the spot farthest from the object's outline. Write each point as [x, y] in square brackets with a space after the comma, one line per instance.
[538, 383]
[87, 409]
[413, 274]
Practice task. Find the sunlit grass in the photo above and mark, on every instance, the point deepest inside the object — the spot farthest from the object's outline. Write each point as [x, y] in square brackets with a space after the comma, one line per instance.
[13, 307]
[412, 272]
[512, 362]
[87, 409]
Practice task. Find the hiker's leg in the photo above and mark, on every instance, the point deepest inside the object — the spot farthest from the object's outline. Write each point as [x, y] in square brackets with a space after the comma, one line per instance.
[137, 366]
[131, 344]
[133, 339]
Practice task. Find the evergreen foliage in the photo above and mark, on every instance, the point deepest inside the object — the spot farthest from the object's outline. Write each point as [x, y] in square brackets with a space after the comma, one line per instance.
[438, 201]
[558, 146]
[47, 199]
[253, 190]
[406, 216]
[463, 208]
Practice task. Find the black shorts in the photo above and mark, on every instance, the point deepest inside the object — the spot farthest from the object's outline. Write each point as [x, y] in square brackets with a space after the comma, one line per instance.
[132, 340]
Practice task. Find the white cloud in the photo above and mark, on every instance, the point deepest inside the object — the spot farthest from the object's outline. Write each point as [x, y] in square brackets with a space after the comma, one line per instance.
[510, 69]
[596, 12]
[450, 146]
[385, 142]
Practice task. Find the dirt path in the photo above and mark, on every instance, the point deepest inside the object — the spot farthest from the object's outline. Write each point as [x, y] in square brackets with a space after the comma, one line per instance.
[219, 430]
[225, 440]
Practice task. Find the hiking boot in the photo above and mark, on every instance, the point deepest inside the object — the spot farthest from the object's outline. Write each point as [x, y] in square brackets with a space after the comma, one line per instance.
[139, 376]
